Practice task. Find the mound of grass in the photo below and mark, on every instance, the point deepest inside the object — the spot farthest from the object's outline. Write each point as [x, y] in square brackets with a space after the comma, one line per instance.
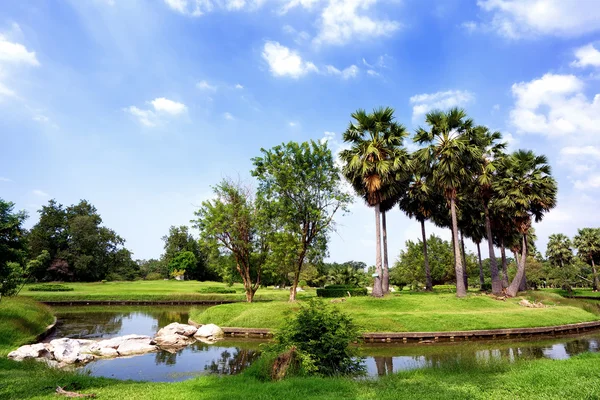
[50, 287]
[416, 312]
[217, 289]
[21, 320]
[341, 291]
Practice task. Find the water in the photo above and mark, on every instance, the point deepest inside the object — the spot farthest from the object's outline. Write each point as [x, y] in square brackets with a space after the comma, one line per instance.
[229, 357]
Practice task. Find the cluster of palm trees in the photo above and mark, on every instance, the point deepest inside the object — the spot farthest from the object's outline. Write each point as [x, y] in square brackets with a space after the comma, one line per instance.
[460, 177]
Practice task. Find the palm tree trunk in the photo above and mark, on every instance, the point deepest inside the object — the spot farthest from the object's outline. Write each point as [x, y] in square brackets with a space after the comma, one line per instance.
[516, 283]
[595, 284]
[464, 259]
[428, 282]
[496, 282]
[461, 290]
[481, 277]
[386, 271]
[523, 285]
[504, 264]
[377, 283]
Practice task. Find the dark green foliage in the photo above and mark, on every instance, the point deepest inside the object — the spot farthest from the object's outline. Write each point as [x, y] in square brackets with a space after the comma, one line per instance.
[341, 291]
[322, 336]
[217, 289]
[49, 287]
[179, 241]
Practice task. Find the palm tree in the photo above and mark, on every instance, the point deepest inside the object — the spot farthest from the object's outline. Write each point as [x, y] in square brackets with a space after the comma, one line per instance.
[472, 221]
[487, 172]
[526, 191]
[451, 155]
[372, 165]
[558, 250]
[587, 243]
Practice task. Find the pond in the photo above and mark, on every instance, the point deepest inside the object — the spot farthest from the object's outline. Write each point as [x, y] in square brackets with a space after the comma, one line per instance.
[229, 357]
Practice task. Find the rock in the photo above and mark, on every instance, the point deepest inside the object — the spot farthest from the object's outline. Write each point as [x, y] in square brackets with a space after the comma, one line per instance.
[209, 331]
[177, 328]
[527, 303]
[29, 351]
[173, 341]
[117, 341]
[69, 351]
[139, 345]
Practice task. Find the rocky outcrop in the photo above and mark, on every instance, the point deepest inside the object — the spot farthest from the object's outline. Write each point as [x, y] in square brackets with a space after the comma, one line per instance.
[65, 351]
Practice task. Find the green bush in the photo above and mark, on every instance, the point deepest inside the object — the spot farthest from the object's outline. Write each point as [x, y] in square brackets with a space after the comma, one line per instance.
[322, 336]
[217, 289]
[49, 287]
[341, 291]
[153, 276]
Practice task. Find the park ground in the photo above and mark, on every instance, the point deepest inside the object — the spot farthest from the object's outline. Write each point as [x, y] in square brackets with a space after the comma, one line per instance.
[22, 318]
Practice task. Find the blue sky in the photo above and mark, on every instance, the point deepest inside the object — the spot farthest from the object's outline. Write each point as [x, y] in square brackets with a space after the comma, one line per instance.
[140, 106]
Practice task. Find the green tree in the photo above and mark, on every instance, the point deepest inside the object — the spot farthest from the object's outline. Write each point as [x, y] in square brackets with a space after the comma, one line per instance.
[526, 192]
[180, 240]
[182, 262]
[12, 247]
[373, 164]
[300, 185]
[587, 243]
[451, 155]
[232, 228]
[558, 250]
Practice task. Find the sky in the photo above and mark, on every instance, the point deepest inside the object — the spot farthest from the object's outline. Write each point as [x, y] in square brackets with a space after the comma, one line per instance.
[140, 106]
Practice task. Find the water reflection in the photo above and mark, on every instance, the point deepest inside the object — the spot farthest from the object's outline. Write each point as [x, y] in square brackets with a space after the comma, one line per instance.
[229, 357]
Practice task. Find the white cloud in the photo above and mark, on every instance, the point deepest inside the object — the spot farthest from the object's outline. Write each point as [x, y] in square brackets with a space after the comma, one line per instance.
[6, 92]
[496, 107]
[204, 85]
[40, 193]
[308, 4]
[285, 62]
[41, 118]
[16, 53]
[167, 106]
[300, 37]
[469, 26]
[591, 182]
[3, 179]
[587, 56]
[581, 151]
[145, 117]
[196, 8]
[327, 137]
[423, 103]
[555, 105]
[228, 116]
[525, 18]
[347, 73]
[293, 124]
[238, 86]
[372, 72]
[343, 21]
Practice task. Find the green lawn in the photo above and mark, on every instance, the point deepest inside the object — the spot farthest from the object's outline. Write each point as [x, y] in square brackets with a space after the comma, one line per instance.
[416, 312]
[155, 291]
[21, 320]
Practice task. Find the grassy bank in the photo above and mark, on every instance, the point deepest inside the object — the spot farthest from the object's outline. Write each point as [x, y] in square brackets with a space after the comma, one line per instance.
[21, 320]
[156, 291]
[416, 312]
[576, 378]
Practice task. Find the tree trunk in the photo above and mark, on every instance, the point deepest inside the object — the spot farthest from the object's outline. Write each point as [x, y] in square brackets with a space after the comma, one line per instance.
[516, 283]
[504, 264]
[481, 277]
[496, 282]
[464, 259]
[461, 290]
[595, 284]
[294, 286]
[249, 294]
[523, 285]
[428, 282]
[377, 283]
[386, 271]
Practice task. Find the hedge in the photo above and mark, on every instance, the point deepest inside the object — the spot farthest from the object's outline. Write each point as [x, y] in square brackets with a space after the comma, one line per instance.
[50, 288]
[216, 289]
[341, 291]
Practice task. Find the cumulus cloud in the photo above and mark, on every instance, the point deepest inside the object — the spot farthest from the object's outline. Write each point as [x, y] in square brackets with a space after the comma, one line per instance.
[526, 18]
[16, 53]
[238, 86]
[161, 106]
[587, 56]
[346, 73]
[286, 62]
[204, 85]
[423, 103]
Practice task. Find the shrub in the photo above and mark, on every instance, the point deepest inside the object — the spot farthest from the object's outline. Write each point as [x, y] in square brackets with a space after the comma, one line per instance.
[341, 291]
[321, 335]
[216, 289]
[153, 276]
[49, 287]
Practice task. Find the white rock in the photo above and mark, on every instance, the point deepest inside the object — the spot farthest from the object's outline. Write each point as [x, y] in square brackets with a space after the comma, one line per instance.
[69, 351]
[29, 351]
[209, 331]
[177, 328]
[173, 340]
[117, 341]
[136, 346]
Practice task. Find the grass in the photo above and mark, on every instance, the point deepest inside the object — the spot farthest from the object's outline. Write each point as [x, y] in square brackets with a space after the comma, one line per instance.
[21, 320]
[576, 378]
[417, 312]
[157, 291]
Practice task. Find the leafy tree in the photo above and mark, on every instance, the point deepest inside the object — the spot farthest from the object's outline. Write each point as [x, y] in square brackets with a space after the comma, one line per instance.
[587, 243]
[232, 228]
[182, 262]
[300, 185]
[180, 240]
[558, 250]
[12, 248]
[373, 165]
[526, 192]
[451, 155]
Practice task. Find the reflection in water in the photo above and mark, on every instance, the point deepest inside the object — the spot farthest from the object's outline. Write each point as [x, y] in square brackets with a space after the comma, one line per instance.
[229, 358]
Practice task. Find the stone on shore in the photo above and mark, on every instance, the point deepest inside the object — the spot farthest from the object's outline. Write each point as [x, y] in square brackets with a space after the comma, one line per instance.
[209, 331]
[177, 328]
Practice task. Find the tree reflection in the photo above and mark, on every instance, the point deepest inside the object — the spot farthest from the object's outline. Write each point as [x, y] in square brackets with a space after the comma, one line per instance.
[385, 365]
[229, 364]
